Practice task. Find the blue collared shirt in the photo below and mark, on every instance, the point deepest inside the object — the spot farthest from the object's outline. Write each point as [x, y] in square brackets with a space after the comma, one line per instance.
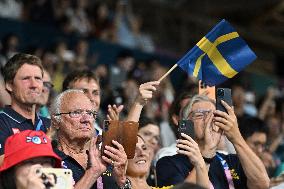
[11, 122]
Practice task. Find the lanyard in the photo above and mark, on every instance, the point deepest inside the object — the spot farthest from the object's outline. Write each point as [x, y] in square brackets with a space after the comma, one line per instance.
[39, 124]
[100, 184]
[227, 173]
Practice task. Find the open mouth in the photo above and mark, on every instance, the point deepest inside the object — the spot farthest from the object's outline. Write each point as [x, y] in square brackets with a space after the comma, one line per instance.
[141, 162]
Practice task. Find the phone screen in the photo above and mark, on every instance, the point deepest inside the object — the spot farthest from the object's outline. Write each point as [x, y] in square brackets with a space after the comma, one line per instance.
[186, 127]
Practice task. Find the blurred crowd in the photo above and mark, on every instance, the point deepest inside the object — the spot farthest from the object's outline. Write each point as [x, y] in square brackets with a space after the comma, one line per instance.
[85, 18]
[118, 89]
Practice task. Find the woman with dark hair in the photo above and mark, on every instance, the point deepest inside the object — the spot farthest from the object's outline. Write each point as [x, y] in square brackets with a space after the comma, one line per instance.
[25, 154]
[138, 167]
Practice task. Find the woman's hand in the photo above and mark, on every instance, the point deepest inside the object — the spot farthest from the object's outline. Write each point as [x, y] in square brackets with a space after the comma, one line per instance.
[114, 111]
[187, 146]
[146, 91]
[116, 157]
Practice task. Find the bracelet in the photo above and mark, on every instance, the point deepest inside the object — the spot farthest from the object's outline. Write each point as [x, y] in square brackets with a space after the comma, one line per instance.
[127, 184]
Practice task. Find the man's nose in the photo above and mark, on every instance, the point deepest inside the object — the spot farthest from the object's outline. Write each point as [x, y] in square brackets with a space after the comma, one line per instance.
[34, 83]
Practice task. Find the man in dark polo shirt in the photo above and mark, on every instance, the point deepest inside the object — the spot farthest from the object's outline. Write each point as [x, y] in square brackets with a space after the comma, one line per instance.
[72, 116]
[23, 75]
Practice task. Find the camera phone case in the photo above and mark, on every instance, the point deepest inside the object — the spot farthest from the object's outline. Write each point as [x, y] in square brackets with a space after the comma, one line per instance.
[225, 95]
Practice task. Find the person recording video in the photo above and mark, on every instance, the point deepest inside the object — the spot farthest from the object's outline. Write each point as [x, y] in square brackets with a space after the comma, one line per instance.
[26, 153]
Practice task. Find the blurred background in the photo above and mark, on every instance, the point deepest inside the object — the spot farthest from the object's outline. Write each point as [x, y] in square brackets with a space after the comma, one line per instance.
[127, 43]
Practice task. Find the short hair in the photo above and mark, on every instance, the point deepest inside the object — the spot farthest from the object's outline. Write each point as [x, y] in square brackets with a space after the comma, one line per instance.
[56, 104]
[144, 121]
[16, 62]
[195, 99]
[250, 125]
[77, 75]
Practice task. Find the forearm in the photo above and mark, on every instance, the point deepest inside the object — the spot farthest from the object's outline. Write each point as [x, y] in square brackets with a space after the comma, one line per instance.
[191, 176]
[202, 178]
[253, 167]
[135, 111]
[87, 181]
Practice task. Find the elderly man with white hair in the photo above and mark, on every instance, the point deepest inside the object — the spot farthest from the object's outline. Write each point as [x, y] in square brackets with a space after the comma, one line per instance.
[72, 116]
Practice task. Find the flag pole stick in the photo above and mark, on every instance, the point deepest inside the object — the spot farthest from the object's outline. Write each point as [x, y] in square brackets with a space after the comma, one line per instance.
[168, 72]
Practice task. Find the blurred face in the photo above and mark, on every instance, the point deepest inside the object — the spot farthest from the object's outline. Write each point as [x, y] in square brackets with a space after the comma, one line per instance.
[140, 164]
[77, 126]
[199, 112]
[151, 134]
[30, 168]
[91, 88]
[238, 96]
[257, 142]
[47, 86]
[27, 85]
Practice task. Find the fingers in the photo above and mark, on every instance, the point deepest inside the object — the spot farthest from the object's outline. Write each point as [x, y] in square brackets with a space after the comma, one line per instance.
[185, 136]
[114, 111]
[208, 122]
[146, 89]
[116, 155]
[229, 109]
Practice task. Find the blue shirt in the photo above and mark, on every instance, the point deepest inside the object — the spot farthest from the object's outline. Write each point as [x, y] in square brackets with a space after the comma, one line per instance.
[11, 122]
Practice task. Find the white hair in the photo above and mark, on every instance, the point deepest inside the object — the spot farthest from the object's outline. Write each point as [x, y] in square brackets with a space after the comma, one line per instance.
[56, 105]
[195, 99]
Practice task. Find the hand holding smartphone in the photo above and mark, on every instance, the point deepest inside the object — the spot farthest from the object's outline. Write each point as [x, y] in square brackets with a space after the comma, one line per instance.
[186, 127]
[62, 177]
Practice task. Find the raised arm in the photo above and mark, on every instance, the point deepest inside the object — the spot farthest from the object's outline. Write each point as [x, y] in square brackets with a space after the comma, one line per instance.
[145, 94]
[199, 175]
[253, 167]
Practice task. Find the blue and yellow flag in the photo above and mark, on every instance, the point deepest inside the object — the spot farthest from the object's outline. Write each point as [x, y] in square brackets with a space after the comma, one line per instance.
[218, 56]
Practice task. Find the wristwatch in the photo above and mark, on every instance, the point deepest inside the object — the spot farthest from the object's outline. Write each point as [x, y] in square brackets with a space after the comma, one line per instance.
[127, 184]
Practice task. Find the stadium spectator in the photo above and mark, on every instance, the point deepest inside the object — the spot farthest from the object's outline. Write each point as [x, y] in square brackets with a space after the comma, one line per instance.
[169, 130]
[43, 107]
[241, 170]
[25, 154]
[87, 81]
[23, 75]
[72, 117]
[255, 133]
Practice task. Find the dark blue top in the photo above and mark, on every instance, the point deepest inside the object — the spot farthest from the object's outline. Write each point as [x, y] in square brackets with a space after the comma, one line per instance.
[172, 170]
[78, 171]
[11, 122]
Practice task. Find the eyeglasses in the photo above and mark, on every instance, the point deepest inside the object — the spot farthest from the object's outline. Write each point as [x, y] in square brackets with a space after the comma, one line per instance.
[79, 113]
[48, 85]
[199, 114]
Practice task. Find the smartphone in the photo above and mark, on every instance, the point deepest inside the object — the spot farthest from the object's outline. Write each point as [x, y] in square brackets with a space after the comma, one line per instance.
[204, 89]
[186, 127]
[63, 178]
[225, 95]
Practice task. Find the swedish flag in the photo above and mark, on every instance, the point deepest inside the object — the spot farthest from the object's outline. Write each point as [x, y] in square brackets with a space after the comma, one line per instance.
[220, 55]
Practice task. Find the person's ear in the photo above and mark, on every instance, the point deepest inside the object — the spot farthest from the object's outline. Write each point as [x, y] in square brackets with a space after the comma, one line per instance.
[8, 86]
